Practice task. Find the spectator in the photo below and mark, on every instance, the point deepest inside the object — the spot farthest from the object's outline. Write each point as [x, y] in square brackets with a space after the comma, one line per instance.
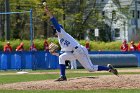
[7, 47]
[46, 45]
[132, 46]
[87, 45]
[124, 46]
[33, 47]
[20, 47]
[138, 46]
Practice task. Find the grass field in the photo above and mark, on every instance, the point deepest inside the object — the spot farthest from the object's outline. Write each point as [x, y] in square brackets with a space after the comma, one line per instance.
[74, 91]
[8, 77]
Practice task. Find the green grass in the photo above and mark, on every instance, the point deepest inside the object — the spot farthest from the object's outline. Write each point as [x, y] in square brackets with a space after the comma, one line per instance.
[12, 77]
[74, 91]
[24, 78]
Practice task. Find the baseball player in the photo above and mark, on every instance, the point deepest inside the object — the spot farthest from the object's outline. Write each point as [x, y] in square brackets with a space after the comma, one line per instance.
[73, 50]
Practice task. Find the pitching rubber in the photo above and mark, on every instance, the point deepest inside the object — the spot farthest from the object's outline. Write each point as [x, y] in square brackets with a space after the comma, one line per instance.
[22, 72]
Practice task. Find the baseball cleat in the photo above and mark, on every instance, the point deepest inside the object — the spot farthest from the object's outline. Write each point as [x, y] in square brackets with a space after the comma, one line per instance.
[62, 78]
[112, 69]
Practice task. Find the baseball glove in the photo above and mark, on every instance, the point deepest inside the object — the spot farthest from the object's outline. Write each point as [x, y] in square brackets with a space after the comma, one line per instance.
[53, 48]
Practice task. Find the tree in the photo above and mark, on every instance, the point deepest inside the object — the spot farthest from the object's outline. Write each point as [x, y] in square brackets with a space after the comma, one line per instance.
[20, 22]
[77, 16]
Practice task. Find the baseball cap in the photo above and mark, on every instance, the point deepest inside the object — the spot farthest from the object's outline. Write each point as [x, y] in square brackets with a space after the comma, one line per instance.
[8, 43]
[132, 42]
[61, 26]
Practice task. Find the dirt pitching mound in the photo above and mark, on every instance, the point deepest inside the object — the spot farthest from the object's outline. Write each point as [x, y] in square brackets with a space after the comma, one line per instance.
[85, 83]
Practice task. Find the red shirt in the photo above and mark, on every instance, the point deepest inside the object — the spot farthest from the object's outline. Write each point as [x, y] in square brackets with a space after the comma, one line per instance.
[132, 48]
[138, 47]
[7, 48]
[46, 46]
[20, 48]
[124, 47]
[87, 46]
[33, 48]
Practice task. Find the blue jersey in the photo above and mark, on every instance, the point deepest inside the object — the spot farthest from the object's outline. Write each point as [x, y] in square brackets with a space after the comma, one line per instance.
[66, 41]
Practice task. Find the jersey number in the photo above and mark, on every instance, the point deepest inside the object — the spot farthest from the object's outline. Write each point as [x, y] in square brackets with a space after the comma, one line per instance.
[66, 42]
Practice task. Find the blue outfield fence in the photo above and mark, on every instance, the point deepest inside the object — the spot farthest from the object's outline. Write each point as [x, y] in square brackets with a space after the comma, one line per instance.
[44, 60]
[28, 60]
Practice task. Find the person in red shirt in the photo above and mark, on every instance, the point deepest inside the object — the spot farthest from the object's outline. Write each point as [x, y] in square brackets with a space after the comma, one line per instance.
[124, 46]
[138, 46]
[46, 46]
[7, 47]
[20, 47]
[33, 47]
[132, 47]
[87, 45]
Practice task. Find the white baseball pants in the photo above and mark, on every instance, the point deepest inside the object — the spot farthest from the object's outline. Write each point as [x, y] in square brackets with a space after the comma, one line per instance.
[81, 54]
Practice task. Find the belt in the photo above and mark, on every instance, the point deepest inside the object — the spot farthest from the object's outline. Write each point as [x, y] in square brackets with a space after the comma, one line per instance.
[76, 47]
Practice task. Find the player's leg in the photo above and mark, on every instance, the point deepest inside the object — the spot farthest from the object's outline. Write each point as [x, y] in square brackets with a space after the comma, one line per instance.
[73, 64]
[62, 58]
[87, 64]
[85, 61]
[82, 56]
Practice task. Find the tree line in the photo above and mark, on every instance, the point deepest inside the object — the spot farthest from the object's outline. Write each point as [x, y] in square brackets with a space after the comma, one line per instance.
[79, 18]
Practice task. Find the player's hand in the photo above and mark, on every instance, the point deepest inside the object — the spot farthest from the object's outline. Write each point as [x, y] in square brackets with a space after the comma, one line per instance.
[53, 48]
[56, 54]
[46, 8]
[48, 12]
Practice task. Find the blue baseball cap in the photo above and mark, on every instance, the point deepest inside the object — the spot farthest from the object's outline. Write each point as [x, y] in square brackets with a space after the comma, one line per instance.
[61, 26]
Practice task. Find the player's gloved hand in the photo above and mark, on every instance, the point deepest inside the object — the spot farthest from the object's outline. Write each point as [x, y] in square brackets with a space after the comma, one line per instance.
[53, 48]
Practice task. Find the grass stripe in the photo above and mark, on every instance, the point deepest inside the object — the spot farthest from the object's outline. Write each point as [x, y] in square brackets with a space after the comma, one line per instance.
[74, 91]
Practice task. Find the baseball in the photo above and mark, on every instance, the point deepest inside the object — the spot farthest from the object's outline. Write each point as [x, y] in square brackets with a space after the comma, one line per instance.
[44, 3]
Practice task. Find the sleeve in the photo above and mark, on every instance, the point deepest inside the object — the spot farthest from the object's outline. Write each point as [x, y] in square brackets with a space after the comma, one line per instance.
[10, 48]
[56, 24]
[18, 47]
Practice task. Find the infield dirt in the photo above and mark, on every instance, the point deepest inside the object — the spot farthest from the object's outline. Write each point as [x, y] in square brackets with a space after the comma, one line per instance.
[85, 83]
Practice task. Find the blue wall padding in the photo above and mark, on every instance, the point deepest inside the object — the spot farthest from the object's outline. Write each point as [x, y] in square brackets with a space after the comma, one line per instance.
[119, 60]
[45, 60]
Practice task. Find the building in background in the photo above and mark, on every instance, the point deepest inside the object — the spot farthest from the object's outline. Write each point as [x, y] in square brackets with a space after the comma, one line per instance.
[119, 16]
[123, 17]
